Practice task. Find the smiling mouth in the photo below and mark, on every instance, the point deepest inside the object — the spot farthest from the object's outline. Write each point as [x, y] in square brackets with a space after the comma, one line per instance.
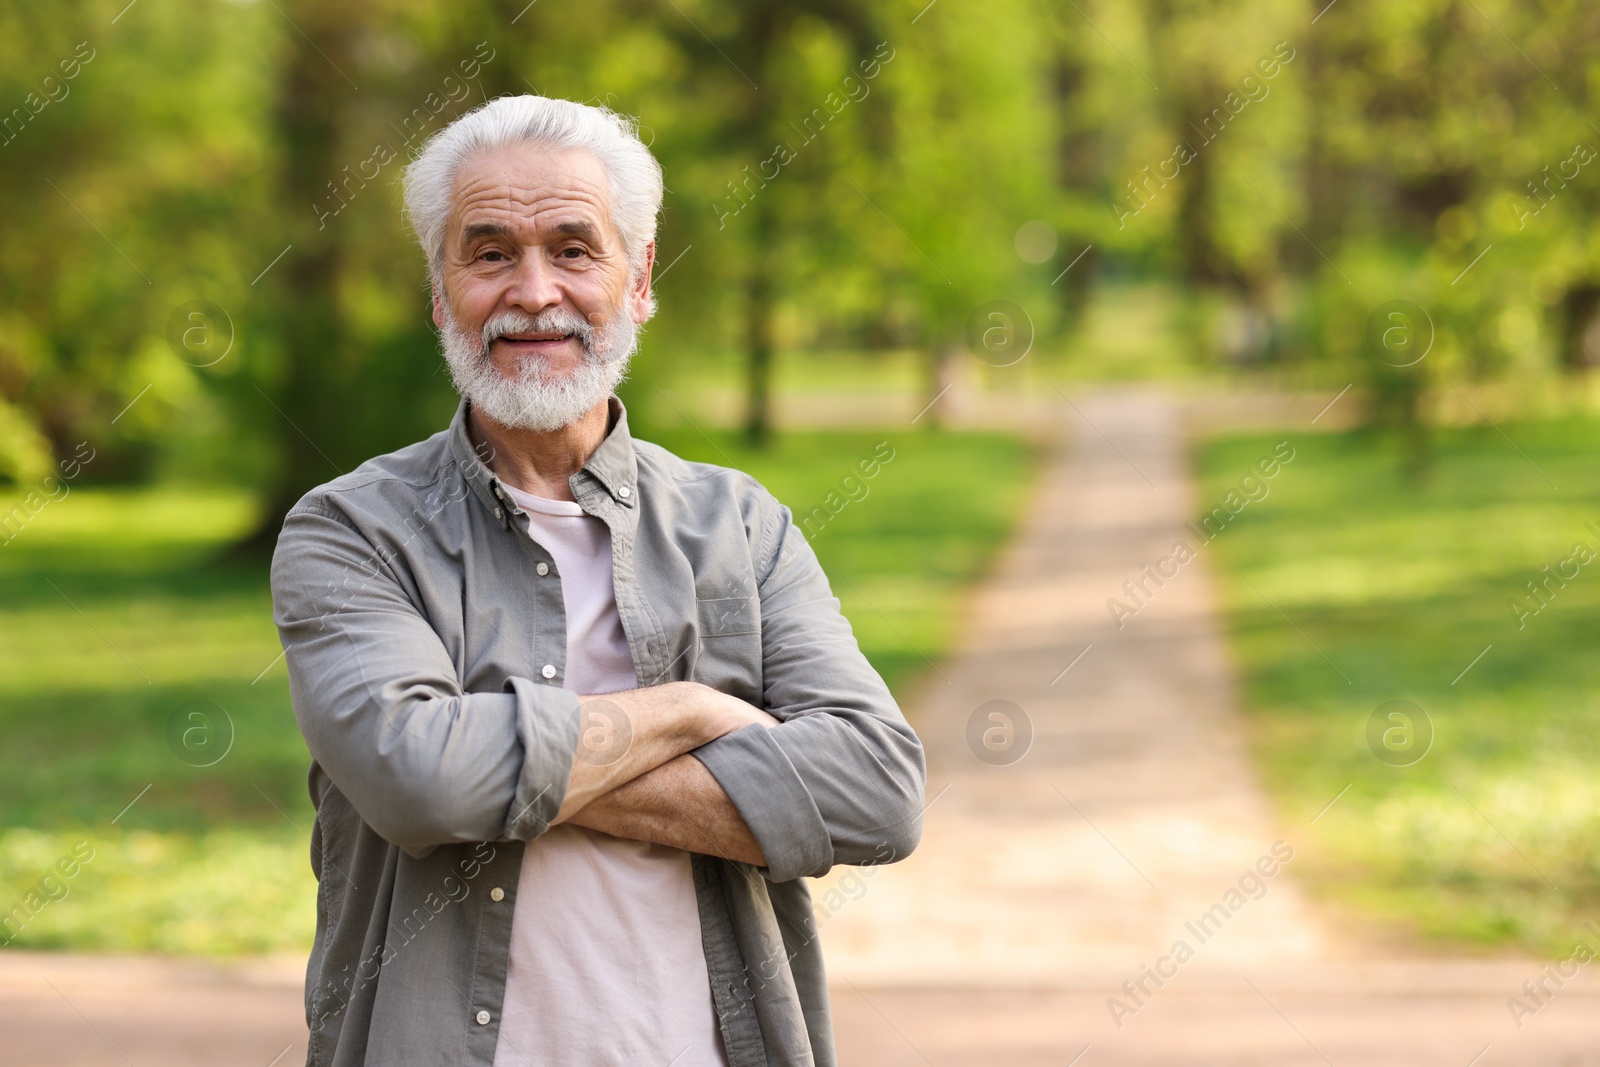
[545, 338]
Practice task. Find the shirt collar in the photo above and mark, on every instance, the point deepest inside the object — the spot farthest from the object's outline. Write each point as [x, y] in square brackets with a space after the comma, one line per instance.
[614, 465]
[613, 469]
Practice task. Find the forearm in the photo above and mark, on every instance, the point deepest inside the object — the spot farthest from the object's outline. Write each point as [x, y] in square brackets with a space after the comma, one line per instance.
[628, 734]
[678, 804]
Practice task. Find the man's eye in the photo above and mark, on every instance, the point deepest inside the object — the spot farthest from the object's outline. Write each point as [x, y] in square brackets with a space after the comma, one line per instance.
[493, 256]
[571, 253]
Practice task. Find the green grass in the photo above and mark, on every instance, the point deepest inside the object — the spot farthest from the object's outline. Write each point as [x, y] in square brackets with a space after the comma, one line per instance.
[117, 621]
[1493, 838]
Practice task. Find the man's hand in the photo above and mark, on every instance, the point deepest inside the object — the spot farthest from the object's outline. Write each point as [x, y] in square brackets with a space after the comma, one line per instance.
[623, 735]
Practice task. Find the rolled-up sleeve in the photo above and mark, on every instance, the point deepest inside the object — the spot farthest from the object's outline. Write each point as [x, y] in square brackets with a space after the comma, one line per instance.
[382, 708]
[841, 778]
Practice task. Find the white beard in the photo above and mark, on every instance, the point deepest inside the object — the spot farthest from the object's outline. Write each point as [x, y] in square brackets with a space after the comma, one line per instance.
[534, 399]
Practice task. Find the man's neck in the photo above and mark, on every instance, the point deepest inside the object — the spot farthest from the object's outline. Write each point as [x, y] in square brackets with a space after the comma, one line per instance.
[539, 462]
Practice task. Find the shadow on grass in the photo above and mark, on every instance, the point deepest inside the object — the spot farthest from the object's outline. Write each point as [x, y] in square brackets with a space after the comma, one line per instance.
[1382, 590]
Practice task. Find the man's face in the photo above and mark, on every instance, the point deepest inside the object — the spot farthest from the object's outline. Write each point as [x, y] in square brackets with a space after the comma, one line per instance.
[532, 253]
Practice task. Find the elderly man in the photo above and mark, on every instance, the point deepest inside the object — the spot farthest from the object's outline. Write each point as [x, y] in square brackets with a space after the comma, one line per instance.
[582, 714]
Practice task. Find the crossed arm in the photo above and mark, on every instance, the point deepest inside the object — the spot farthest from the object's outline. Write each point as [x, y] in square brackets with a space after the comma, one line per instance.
[378, 697]
[654, 790]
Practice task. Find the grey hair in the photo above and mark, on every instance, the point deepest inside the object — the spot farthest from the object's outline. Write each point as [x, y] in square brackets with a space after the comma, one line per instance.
[632, 173]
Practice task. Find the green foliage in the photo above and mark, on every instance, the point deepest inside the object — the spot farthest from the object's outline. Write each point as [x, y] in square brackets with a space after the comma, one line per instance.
[1395, 589]
[246, 156]
[119, 619]
[843, 177]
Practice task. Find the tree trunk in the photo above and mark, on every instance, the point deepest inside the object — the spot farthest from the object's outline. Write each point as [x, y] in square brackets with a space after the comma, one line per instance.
[1317, 176]
[758, 41]
[301, 310]
[1080, 169]
[1580, 309]
[1204, 264]
[941, 363]
[759, 304]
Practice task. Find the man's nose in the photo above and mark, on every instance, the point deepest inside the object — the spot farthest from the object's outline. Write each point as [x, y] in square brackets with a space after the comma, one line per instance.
[534, 286]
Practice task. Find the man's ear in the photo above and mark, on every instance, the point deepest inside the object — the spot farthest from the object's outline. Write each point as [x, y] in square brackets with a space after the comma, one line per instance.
[438, 304]
[643, 305]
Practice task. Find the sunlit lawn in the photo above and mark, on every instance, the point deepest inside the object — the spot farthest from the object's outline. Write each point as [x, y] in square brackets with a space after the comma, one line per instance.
[1492, 838]
[117, 624]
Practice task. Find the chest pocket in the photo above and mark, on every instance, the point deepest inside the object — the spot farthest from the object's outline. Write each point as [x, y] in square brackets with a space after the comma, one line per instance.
[729, 653]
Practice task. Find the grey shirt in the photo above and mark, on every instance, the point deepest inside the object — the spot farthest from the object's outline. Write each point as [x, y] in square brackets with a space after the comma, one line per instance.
[426, 638]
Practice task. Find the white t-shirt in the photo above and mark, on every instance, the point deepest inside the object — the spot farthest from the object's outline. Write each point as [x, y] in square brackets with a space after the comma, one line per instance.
[606, 966]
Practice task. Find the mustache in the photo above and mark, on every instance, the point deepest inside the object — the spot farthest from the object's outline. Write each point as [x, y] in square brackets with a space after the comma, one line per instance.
[551, 320]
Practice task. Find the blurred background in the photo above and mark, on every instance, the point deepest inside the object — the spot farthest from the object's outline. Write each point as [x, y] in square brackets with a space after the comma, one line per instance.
[949, 226]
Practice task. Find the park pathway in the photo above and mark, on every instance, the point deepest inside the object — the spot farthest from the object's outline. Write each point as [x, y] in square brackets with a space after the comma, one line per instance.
[1043, 885]
[1047, 877]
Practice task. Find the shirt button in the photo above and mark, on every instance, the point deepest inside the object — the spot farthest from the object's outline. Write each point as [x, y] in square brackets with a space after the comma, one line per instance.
[483, 1018]
[542, 569]
[497, 894]
[549, 671]
[499, 514]
[624, 492]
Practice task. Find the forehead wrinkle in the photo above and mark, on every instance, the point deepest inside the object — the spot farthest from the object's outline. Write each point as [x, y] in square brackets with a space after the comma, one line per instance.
[526, 192]
[519, 179]
[512, 207]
